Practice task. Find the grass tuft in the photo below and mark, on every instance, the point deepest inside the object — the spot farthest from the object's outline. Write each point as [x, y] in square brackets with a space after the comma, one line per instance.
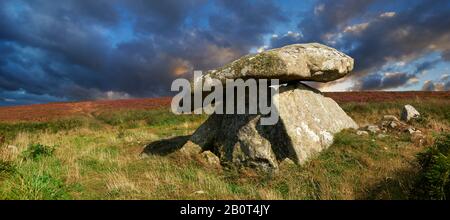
[37, 151]
[434, 179]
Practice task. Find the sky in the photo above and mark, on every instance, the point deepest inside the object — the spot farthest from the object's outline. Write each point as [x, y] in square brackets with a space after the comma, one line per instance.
[72, 50]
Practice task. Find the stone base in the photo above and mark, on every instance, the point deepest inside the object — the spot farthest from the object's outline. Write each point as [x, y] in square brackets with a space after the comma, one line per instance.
[308, 121]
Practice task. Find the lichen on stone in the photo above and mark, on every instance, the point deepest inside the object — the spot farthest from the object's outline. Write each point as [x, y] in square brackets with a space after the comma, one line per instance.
[257, 66]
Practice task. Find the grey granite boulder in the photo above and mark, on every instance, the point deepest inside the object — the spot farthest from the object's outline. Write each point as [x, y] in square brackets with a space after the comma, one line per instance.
[307, 120]
[409, 112]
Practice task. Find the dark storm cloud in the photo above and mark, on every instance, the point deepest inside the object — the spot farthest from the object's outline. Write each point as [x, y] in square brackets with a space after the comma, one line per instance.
[426, 66]
[329, 16]
[162, 17]
[110, 49]
[379, 33]
[384, 81]
[242, 23]
[428, 86]
[374, 81]
[406, 36]
[72, 50]
[446, 55]
[394, 80]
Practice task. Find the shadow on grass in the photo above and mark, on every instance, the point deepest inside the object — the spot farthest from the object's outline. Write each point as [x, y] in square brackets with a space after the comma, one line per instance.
[165, 146]
[397, 186]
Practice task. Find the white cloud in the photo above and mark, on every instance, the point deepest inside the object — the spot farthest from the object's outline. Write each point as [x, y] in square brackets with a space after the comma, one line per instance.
[262, 48]
[357, 28]
[387, 14]
[400, 63]
[340, 85]
[293, 34]
[318, 9]
[116, 95]
[413, 80]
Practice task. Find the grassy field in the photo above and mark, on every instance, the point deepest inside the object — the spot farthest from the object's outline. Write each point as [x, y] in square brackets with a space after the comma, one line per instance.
[97, 157]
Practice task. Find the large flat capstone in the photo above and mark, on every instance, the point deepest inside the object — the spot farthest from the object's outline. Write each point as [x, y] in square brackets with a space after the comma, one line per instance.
[306, 62]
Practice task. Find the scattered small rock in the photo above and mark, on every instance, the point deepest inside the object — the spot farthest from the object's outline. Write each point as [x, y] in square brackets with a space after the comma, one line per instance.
[143, 155]
[393, 124]
[390, 118]
[409, 112]
[199, 192]
[210, 158]
[382, 135]
[412, 130]
[390, 122]
[190, 148]
[287, 162]
[362, 133]
[373, 128]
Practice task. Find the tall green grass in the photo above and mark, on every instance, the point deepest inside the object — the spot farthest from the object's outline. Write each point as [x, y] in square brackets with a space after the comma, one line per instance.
[10, 130]
[155, 118]
[35, 175]
[434, 179]
[97, 157]
[438, 109]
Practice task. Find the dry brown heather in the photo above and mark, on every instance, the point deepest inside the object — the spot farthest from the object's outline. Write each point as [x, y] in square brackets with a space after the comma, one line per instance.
[96, 156]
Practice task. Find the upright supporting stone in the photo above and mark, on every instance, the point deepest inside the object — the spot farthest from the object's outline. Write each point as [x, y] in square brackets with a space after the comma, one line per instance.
[308, 121]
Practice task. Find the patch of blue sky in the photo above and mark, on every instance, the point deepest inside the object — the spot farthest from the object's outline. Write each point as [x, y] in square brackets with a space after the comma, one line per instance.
[15, 9]
[124, 31]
